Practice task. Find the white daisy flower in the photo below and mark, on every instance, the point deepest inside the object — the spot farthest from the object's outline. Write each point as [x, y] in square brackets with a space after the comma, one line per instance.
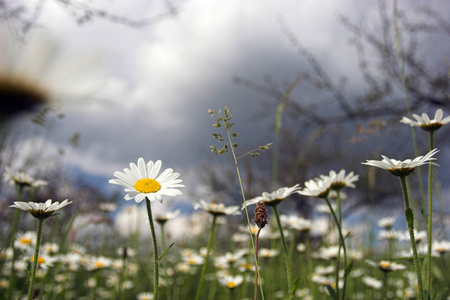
[387, 222]
[163, 217]
[268, 253]
[296, 222]
[441, 247]
[44, 261]
[108, 206]
[341, 180]
[402, 168]
[327, 253]
[317, 187]
[425, 122]
[142, 181]
[145, 296]
[21, 179]
[386, 266]
[324, 271]
[274, 198]
[231, 282]
[372, 282]
[31, 75]
[217, 208]
[25, 241]
[41, 210]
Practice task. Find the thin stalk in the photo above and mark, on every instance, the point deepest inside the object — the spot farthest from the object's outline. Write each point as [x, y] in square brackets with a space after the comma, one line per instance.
[155, 250]
[385, 286]
[400, 53]
[163, 245]
[430, 214]
[208, 249]
[342, 241]
[410, 220]
[245, 205]
[256, 264]
[286, 254]
[35, 259]
[338, 258]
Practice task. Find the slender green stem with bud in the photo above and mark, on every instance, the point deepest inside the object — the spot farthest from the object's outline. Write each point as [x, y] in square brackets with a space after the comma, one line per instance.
[208, 250]
[35, 259]
[410, 220]
[286, 254]
[430, 215]
[155, 250]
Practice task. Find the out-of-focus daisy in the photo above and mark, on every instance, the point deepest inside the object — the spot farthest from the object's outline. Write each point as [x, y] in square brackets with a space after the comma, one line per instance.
[240, 238]
[387, 222]
[25, 241]
[231, 282]
[41, 210]
[372, 282]
[108, 206]
[324, 208]
[418, 235]
[274, 198]
[324, 271]
[44, 261]
[50, 248]
[405, 167]
[22, 179]
[327, 253]
[142, 181]
[95, 263]
[389, 234]
[317, 187]
[425, 122]
[217, 209]
[163, 217]
[193, 259]
[32, 76]
[326, 281]
[386, 266]
[296, 222]
[301, 247]
[341, 180]
[268, 253]
[145, 296]
[441, 247]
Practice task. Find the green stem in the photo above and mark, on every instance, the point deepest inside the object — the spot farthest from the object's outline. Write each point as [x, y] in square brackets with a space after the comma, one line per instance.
[245, 205]
[286, 254]
[430, 214]
[256, 264]
[385, 286]
[342, 242]
[35, 259]
[410, 220]
[163, 245]
[155, 251]
[208, 249]
[338, 258]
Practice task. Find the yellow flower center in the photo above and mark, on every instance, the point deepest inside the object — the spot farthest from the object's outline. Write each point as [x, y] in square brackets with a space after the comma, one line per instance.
[147, 185]
[191, 261]
[385, 264]
[99, 264]
[40, 260]
[231, 285]
[25, 240]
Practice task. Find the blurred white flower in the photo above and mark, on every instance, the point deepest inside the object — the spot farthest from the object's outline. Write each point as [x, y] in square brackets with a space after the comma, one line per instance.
[425, 122]
[34, 74]
[386, 266]
[217, 209]
[387, 222]
[372, 282]
[275, 197]
[41, 210]
[231, 282]
[21, 179]
[402, 168]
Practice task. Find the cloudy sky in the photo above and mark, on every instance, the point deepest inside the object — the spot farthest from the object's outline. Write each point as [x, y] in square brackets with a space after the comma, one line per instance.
[163, 78]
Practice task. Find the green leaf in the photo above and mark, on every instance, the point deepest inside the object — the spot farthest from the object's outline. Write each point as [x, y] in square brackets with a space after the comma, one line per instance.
[161, 256]
[294, 286]
[409, 217]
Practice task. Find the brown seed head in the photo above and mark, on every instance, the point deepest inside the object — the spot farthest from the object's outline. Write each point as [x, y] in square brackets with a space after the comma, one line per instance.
[260, 215]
